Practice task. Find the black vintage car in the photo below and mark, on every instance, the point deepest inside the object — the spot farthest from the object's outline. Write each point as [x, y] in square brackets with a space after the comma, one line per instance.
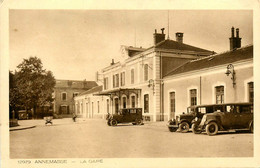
[184, 121]
[231, 116]
[127, 115]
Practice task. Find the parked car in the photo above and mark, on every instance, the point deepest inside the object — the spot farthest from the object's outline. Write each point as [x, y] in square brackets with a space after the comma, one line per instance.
[231, 116]
[127, 115]
[194, 114]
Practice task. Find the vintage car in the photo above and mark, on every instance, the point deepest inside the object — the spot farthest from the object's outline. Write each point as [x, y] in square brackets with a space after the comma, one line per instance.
[127, 115]
[231, 116]
[184, 121]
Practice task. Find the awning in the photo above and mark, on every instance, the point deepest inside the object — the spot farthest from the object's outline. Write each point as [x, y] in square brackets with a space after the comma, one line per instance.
[119, 92]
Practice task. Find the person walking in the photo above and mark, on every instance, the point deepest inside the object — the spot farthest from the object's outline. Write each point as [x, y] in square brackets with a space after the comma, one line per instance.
[74, 116]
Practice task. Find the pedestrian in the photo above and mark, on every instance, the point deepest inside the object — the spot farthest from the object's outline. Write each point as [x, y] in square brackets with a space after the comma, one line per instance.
[74, 116]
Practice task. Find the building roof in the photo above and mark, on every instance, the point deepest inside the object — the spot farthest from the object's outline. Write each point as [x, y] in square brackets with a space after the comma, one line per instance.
[171, 44]
[93, 90]
[76, 84]
[215, 60]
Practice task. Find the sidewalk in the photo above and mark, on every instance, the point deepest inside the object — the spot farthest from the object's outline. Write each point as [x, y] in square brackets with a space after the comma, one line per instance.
[21, 127]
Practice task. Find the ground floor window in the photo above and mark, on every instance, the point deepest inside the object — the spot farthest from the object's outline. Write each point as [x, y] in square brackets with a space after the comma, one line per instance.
[98, 107]
[124, 102]
[146, 103]
[107, 105]
[251, 91]
[133, 101]
[193, 97]
[116, 105]
[219, 94]
[172, 104]
[92, 108]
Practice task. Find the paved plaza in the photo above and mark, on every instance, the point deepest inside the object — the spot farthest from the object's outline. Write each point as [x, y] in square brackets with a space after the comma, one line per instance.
[92, 138]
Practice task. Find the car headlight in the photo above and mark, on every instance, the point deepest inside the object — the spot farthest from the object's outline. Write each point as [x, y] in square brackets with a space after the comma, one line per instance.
[196, 119]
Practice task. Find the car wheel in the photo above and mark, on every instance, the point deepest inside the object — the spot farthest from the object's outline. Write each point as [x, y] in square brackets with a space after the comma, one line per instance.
[212, 128]
[184, 127]
[195, 129]
[172, 129]
[251, 127]
[113, 122]
[138, 121]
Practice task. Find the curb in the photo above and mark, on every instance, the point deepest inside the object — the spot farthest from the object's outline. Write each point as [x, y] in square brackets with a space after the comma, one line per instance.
[22, 128]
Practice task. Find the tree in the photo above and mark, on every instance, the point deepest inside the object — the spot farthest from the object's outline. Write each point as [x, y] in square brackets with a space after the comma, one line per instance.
[33, 85]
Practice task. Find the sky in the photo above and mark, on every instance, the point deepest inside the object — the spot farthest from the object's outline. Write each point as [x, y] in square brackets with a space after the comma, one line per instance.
[74, 44]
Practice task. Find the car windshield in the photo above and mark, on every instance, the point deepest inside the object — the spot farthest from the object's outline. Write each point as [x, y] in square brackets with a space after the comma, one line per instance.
[190, 109]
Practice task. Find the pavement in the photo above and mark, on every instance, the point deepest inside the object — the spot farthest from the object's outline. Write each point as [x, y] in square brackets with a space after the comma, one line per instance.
[93, 138]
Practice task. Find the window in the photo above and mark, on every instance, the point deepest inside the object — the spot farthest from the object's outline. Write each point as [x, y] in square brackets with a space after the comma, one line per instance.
[146, 72]
[251, 91]
[97, 106]
[116, 106]
[193, 97]
[105, 83]
[132, 76]
[116, 80]
[75, 94]
[146, 103]
[92, 108]
[124, 102]
[133, 101]
[122, 76]
[64, 96]
[172, 104]
[107, 105]
[219, 94]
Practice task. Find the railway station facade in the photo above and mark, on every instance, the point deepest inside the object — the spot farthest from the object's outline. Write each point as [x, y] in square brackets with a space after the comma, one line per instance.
[168, 77]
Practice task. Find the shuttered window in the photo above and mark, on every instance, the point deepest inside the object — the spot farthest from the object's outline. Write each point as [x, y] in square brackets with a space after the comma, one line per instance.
[219, 94]
[193, 97]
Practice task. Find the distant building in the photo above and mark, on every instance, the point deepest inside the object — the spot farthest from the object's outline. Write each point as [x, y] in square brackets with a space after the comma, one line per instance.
[64, 93]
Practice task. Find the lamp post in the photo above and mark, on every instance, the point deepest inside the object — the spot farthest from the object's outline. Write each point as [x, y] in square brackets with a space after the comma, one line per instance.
[230, 70]
[151, 84]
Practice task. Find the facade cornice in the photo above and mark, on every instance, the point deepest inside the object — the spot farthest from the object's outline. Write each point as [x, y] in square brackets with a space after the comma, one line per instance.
[209, 70]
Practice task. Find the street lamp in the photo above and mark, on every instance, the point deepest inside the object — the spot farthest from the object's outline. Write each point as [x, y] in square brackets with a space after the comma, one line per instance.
[230, 70]
[151, 84]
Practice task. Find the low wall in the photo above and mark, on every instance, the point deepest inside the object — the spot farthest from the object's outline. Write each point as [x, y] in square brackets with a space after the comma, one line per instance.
[13, 123]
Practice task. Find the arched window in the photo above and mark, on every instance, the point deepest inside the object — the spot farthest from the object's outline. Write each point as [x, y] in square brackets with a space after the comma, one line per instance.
[146, 72]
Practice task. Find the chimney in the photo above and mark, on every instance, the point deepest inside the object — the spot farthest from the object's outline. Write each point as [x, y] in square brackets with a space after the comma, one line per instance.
[112, 63]
[238, 42]
[235, 42]
[157, 37]
[179, 37]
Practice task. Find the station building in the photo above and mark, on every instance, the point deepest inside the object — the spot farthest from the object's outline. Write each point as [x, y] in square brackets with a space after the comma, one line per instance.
[137, 81]
[170, 76]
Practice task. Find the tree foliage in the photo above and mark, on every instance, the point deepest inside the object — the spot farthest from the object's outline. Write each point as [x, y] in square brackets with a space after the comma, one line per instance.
[31, 86]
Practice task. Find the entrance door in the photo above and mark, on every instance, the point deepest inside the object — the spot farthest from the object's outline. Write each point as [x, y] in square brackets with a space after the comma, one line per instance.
[116, 106]
[63, 109]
